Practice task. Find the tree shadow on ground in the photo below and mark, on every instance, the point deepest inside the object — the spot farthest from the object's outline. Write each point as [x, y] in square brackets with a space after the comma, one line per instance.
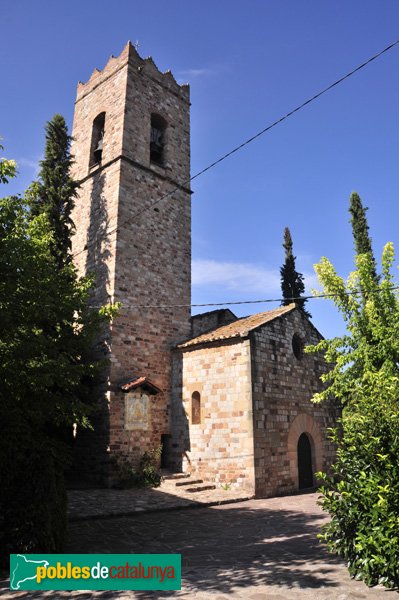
[223, 548]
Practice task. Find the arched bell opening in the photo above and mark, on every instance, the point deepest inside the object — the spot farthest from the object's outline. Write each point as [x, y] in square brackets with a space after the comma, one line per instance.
[158, 139]
[97, 140]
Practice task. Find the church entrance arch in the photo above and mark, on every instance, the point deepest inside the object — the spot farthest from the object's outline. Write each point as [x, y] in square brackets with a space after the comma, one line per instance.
[305, 451]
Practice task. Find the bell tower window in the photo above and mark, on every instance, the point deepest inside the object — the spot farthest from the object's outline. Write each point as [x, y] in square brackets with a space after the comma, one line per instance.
[157, 139]
[97, 139]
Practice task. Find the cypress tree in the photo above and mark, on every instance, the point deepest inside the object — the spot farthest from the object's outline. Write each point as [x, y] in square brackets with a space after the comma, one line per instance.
[55, 192]
[360, 230]
[292, 285]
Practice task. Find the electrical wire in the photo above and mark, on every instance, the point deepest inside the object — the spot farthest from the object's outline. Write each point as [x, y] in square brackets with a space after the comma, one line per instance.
[242, 145]
[262, 301]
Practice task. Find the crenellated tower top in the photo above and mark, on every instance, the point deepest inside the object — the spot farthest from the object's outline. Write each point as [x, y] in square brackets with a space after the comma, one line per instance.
[145, 66]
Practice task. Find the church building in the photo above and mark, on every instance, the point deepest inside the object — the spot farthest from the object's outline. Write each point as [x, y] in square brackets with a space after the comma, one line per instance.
[228, 398]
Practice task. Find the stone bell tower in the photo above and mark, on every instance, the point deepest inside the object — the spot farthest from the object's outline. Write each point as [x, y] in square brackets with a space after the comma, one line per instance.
[131, 147]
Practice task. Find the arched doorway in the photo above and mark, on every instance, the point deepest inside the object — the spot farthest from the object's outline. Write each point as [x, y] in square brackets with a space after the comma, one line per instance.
[305, 423]
[305, 469]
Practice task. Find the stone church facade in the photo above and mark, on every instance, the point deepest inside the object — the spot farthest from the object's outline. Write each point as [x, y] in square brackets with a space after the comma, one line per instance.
[228, 398]
[246, 389]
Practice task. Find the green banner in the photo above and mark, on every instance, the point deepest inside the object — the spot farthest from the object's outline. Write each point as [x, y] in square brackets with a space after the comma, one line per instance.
[95, 572]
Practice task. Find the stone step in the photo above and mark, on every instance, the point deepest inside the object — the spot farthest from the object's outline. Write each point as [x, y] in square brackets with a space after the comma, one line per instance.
[174, 476]
[201, 488]
[188, 482]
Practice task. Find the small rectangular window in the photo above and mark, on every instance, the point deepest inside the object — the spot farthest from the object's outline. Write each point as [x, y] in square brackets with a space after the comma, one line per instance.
[196, 408]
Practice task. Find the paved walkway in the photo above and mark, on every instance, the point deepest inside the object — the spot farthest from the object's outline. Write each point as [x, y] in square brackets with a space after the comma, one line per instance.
[92, 504]
[253, 550]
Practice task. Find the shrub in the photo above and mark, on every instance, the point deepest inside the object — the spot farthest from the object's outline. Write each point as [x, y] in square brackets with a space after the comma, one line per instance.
[146, 474]
[363, 498]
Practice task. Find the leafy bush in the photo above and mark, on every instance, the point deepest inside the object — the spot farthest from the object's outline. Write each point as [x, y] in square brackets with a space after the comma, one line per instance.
[363, 497]
[146, 474]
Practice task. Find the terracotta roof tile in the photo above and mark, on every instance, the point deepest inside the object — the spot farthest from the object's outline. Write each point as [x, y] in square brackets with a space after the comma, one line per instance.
[143, 382]
[239, 328]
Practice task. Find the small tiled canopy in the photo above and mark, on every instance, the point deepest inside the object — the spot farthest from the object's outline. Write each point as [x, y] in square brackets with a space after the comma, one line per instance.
[142, 382]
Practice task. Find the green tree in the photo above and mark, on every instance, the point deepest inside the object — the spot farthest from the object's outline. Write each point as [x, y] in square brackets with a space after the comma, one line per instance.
[292, 284]
[360, 230]
[47, 327]
[47, 331]
[8, 169]
[56, 191]
[362, 492]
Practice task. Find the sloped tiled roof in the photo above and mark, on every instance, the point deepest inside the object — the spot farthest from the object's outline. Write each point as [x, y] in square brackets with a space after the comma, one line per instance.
[239, 328]
[143, 382]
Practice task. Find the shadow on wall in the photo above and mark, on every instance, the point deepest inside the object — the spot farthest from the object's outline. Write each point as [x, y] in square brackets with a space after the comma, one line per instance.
[97, 242]
[179, 443]
[91, 458]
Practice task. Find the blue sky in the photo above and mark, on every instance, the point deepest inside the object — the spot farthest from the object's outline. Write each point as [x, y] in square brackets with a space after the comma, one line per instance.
[248, 63]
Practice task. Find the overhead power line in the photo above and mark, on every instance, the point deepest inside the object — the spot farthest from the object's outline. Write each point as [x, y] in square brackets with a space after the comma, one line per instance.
[262, 301]
[243, 144]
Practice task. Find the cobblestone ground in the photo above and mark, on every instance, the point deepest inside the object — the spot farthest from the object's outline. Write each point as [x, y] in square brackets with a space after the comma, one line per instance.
[255, 550]
[86, 504]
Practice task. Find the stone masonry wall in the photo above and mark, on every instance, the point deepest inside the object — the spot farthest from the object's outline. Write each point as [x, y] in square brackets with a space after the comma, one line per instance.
[282, 388]
[153, 251]
[146, 259]
[220, 447]
[95, 213]
[210, 320]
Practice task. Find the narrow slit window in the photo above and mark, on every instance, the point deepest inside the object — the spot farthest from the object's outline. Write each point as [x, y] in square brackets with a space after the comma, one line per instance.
[97, 140]
[157, 139]
[196, 408]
